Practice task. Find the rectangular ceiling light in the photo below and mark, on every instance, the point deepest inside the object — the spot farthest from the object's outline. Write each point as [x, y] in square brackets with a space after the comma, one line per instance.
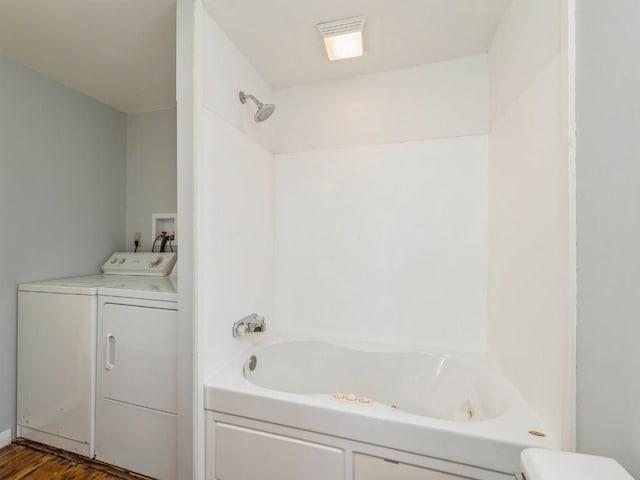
[343, 38]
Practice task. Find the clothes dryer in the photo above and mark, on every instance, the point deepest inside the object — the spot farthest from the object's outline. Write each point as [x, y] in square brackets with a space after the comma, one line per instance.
[136, 401]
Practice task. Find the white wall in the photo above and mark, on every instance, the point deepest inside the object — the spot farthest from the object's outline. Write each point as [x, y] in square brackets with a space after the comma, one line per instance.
[608, 110]
[234, 200]
[439, 100]
[190, 388]
[381, 206]
[151, 172]
[386, 242]
[225, 72]
[529, 218]
[62, 194]
[526, 40]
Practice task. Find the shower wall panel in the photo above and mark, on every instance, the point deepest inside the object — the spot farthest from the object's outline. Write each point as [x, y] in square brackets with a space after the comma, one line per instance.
[385, 242]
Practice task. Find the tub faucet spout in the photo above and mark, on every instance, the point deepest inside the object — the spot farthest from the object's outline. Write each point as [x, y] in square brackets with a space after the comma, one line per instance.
[250, 324]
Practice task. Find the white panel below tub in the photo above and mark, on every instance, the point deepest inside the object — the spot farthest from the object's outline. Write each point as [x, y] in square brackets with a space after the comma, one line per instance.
[242, 454]
[385, 242]
[373, 468]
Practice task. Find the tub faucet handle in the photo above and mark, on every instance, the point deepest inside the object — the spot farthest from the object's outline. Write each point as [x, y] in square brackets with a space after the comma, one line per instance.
[250, 324]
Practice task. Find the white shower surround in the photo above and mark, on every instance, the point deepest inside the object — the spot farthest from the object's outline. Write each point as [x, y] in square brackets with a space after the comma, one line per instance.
[439, 298]
[225, 71]
[381, 226]
[385, 242]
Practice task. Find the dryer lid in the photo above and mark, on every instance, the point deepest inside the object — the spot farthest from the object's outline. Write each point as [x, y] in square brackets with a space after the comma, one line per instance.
[540, 464]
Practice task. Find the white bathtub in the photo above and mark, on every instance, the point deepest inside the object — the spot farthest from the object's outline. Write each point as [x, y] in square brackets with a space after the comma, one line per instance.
[452, 413]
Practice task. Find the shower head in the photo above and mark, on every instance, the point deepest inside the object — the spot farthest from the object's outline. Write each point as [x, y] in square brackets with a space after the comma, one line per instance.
[264, 111]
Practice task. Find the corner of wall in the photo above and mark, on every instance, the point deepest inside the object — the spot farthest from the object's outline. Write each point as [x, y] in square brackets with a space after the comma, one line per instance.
[220, 91]
[530, 209]
[528, 37]
[151, 172]
[568, 50]
[234, 196]
[190, 389]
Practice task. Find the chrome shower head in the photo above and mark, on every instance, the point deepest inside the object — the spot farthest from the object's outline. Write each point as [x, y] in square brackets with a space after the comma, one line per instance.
[264, 111]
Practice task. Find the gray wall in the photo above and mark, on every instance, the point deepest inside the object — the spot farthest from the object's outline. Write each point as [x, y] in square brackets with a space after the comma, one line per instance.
[608, 209]
[62, 194]
[151, 172]
[190, 390]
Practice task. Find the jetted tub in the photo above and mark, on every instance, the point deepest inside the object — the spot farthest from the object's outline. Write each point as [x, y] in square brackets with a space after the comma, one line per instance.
[452, 413]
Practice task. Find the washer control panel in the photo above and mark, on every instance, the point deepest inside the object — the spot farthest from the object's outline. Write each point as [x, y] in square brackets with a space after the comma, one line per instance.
[143, 263]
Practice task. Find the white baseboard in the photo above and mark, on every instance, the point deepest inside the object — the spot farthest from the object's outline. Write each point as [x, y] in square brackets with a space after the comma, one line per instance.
[5, 438]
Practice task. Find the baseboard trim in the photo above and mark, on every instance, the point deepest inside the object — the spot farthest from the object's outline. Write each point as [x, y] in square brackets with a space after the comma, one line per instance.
[5, 438]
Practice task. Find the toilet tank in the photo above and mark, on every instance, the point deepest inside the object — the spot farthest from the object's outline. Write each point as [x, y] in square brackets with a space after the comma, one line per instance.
[540, 464]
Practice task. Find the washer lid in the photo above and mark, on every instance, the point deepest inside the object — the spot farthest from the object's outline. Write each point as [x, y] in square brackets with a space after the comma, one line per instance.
[539, 464]
[87, 285]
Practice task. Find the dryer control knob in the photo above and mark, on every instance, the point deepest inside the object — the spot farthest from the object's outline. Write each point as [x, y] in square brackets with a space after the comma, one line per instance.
[155, 261]
[113, 260]
[122, 260]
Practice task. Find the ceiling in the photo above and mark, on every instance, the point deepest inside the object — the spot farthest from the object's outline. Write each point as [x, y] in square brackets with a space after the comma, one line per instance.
[280, 39]
[121, 52]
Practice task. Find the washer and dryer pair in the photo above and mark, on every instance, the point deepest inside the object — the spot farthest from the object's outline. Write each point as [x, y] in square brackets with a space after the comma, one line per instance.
[97, 364]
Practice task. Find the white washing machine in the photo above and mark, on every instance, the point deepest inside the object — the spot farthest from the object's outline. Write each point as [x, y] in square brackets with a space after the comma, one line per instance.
[57, 323]
[61, 348]
[136, 401]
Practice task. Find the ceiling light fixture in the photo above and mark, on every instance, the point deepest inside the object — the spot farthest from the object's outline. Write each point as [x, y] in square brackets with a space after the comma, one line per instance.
[343, 38]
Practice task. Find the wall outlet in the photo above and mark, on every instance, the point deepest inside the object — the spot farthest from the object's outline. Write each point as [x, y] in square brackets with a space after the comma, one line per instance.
[137, 236]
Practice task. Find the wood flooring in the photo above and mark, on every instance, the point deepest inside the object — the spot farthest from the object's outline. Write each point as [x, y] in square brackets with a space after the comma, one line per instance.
[24, 460]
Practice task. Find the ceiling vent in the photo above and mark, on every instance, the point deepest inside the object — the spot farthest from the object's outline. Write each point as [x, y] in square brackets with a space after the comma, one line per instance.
[340, 27]
[343, 38]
